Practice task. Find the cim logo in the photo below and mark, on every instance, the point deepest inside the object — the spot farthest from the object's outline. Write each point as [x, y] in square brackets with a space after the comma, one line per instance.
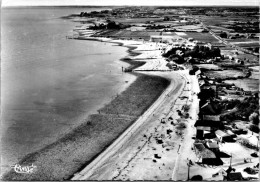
[23, 169]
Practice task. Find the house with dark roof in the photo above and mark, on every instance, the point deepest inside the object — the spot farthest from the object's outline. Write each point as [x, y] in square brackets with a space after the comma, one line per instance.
[209, 108]
[205, 155]
[202, 152]
[235, 176]
[206, 125]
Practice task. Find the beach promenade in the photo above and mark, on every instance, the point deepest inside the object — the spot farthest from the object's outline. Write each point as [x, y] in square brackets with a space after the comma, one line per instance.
[150, 148]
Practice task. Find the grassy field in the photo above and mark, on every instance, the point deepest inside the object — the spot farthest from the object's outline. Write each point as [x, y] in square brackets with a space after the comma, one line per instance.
[137, 20]
[242, 40]
[247, 84]
[203, 37]
[65, 157]
[250, 57]
[128, 34]
[225, 74]
[247, 44]
[208, 66]
[219, 28]
[189, 27]
[217, 20]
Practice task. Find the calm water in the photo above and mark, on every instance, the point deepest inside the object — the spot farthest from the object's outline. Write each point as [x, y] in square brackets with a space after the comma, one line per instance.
[50, 83]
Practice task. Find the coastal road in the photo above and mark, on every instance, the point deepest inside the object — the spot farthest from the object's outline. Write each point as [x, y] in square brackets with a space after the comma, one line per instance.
[136, 154]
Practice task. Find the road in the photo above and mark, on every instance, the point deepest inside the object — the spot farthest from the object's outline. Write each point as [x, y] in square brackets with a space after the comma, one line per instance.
[224, 41]
[136, 154]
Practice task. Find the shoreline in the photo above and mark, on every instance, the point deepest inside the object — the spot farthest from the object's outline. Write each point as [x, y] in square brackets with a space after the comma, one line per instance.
[128, 157]
[32, 157]
[118, 160]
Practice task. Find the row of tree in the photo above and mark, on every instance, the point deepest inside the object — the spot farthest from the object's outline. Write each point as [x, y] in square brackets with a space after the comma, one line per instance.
[110, 25]
[203, 52]
[86, 14]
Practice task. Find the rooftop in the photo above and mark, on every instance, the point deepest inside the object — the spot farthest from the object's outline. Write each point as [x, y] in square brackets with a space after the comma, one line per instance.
[208, 123]
[234, 176]
[212, 145]
[221, 133]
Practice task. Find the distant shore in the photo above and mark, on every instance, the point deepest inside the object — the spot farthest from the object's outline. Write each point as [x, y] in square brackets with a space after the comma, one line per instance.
[63, 158]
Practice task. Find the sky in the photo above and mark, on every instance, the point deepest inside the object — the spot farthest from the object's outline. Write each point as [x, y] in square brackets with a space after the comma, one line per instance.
[129, 2]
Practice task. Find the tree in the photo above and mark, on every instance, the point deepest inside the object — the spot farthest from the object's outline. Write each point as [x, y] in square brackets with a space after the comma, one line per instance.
[186, 108]
[94, 12]
[254, 118]
[206, 94]
[214, 52]
[254, 128]
[197, 178]
[81, 14]
[166, 18]
[223, 35]
[114, 25]
[191, 72]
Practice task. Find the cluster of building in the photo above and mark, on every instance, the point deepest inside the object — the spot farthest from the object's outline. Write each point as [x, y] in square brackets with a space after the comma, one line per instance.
[211, 130]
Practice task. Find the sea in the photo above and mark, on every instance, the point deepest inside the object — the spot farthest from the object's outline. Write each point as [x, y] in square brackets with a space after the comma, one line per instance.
[50, 84]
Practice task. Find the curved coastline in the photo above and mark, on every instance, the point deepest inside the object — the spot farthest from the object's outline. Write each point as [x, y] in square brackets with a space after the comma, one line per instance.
[50, 160]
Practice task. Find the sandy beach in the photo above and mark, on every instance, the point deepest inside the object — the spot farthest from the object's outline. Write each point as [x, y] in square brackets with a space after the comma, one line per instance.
[152, 147]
